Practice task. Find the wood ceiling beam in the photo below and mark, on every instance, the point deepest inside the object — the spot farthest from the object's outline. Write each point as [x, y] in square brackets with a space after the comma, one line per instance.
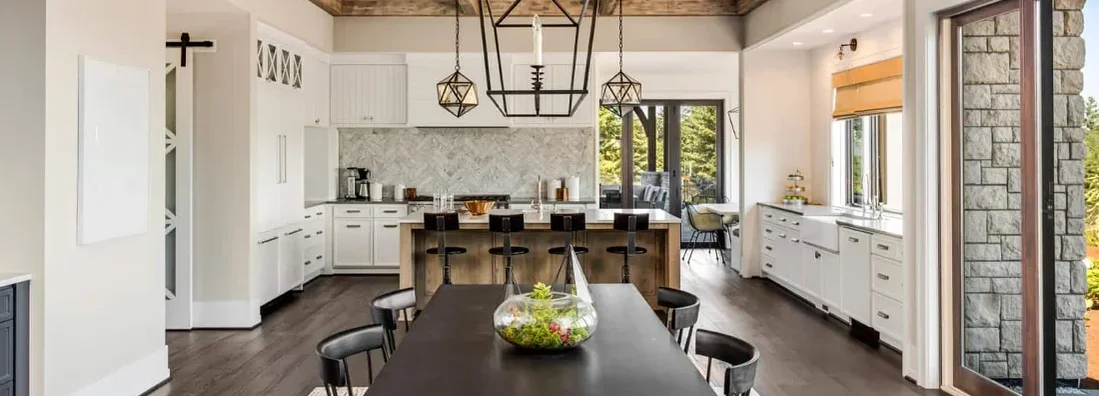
[608, 7]
[334, 7]
[544, 7]
[743, 7]
[468, 7]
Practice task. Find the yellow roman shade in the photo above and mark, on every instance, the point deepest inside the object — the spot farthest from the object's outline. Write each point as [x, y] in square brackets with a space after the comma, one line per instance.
[873, 88]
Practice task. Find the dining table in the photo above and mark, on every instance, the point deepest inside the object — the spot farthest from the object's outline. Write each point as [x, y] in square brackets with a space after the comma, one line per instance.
[452, 349]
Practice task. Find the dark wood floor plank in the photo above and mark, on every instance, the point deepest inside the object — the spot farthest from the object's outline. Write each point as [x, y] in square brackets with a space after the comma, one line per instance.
[803, 352]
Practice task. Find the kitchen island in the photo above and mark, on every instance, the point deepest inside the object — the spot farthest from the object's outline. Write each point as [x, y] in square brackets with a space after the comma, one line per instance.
[659, 267]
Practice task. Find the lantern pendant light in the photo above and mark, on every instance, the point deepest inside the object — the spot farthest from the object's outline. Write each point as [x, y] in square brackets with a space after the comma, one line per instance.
[457, 93]
[622, 93]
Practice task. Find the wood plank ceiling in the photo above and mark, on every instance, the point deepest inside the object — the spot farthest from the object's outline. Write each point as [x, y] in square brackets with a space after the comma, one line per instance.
[541, 7]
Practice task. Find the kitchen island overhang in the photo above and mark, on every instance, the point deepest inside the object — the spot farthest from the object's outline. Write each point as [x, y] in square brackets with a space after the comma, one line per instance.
[659, 267]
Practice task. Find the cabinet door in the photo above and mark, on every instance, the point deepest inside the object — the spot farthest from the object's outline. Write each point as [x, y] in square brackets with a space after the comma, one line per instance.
[291, 271]
[269, 158]
[354, 244]
[316, 84]
[791, 258]
[267, 270]
[292, 189]
[387, 246]
[369, 94]
[831, 283]
[855, 259]
[811, 267]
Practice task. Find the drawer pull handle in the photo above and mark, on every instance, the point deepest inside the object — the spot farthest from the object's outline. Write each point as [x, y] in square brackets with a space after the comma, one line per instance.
[320, 213]
[308, 262]
[390, 226]
[308, 217]
[320, 232]
[816, 254]
[782, 236]
[354, 211]
[308, 236]
[769, 265]
[797, 223]
[767, 216]
[853, 239]
[883, 276]
[354, 226]
[883, 315]
[389, 211]
[319, 257]
[272, 239]
[767, 247]
[795, 240]
[883, 247]
[782, 219]
[768, 230]
[294, 232]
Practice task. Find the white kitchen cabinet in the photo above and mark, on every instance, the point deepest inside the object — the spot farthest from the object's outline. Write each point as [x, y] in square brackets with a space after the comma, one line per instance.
[279, 169]
[291, 271]
[316, 82]
[811, 258]
[426, 70]
[267, 268]
[855, 261]
[831, 282]
[369, 94]
[790, 255]
[354, 243]
[387, 242]
[584, 115]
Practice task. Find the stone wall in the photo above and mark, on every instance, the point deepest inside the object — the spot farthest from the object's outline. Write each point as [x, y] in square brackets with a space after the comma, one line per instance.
[992, 195]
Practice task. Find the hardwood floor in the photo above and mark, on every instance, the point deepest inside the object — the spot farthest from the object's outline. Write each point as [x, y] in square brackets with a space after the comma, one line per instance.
[803, 353]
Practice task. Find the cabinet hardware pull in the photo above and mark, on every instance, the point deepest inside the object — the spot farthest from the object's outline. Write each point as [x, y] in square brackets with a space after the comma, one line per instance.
[768, 230]
[390, 226]
[269, 240]
[795, 240]
[320, 213]
[783, 236]
[883, 315]
[389, 211]
[354, 226]
[319, 257]
[308, 236]
[354, 211]
[767, 247]
[797, 223]
[308, 217]
[320, 232]
[883, 247]
[769, 265]
[883, 276]
[782, 219]
[767, 216]
[308, 262]
[294, 232]
[853, 239]
[816, 254]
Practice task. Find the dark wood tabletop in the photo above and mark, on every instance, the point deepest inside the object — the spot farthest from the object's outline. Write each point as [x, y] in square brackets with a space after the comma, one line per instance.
[453, 350]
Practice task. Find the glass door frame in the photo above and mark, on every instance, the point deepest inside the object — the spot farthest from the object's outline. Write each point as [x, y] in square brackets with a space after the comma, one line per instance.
[673, 146]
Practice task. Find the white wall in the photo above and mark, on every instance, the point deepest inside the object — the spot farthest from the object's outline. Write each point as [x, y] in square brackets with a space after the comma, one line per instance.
[299, 18]
[775, 137]
[778, 16]
[875, 45]
[103, 303]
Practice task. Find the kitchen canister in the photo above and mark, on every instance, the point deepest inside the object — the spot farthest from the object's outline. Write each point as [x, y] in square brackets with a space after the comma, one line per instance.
[376, 192]
[551, 189]
[572, 184]
[398, 193]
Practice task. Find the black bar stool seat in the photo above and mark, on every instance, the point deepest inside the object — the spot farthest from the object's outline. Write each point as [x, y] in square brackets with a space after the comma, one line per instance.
[570, 224]
[448, 250]
[440, 223]
[624, 249]
[561, 250]
[630, 223]
[505, 225]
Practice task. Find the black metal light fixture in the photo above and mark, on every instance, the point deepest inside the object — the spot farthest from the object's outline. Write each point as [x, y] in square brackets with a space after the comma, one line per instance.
[622, 93]
[853, 45]
[457, 93]
[733, 118]
[536, 100]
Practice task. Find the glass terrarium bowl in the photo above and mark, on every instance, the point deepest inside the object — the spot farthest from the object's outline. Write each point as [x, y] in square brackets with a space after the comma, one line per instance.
[557, 321]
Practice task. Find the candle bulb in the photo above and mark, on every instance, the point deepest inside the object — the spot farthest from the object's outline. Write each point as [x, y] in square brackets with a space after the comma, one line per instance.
[537, 27]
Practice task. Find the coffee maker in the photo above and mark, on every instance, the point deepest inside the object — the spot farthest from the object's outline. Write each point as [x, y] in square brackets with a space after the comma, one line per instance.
[356, 183]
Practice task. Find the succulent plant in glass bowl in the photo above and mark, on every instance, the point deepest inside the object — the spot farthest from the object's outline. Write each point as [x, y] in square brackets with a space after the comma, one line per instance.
[545, 320]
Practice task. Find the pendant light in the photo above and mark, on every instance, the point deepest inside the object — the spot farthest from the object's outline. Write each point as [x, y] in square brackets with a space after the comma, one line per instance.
[622, 93]
[457, 93]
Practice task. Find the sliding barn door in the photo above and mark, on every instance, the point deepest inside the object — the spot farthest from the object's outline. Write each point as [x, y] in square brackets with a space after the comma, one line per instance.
[178, 137]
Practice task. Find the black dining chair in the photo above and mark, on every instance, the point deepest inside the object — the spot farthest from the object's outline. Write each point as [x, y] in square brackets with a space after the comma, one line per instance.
[334, 351]
[681, 310]
[631, 223]
[441, 223]
[385, 308]
[741, 356]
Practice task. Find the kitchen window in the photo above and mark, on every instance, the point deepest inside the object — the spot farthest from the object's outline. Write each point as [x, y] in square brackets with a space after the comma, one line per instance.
[871, 162]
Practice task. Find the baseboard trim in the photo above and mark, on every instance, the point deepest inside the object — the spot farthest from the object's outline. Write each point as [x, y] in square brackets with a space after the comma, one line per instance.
[135, 378]
[232, 314]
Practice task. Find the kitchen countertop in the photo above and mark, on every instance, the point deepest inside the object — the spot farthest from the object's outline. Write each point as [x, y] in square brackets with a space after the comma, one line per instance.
[387, 201]
[11, 278]
[888, 224]
[527, 200]
[592, 216]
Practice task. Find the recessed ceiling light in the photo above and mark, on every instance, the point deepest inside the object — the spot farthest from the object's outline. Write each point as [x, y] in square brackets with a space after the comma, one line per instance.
[866, 15]
[797, 43]
[826, 31]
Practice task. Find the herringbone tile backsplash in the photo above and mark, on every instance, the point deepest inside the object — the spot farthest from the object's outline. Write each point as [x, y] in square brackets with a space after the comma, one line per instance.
[470, 160]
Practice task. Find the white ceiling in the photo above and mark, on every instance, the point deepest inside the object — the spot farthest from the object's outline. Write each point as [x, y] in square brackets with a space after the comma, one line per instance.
[850, 18]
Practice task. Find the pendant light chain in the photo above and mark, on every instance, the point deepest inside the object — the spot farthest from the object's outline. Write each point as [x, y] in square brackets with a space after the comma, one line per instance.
[620, 35]
[457, 36]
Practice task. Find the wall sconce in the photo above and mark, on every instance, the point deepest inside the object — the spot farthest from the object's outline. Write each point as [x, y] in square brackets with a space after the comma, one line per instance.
[854, 46]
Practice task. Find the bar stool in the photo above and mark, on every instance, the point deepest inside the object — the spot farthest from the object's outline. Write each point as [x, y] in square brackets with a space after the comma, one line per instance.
[441, 223]
[506, 224]
[631, 223]
[570, 223]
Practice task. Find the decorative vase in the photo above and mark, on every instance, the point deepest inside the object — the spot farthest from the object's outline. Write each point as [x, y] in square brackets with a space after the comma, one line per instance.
[543, 320]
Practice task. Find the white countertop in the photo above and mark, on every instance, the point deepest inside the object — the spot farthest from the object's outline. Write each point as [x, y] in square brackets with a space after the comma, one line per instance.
[11, 278]
[889, 224]
[592, 216]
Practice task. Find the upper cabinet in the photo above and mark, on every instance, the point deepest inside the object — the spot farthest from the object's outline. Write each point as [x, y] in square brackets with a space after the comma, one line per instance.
[317, 76]
[425, 71]
[369, 94]
[556, 76]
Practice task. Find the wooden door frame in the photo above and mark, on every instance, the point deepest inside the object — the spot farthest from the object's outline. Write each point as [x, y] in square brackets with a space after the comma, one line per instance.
[1031, 209]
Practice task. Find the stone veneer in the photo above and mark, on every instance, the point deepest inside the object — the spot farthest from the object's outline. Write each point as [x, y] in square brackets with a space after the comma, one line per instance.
[471, 160]
[992, 193]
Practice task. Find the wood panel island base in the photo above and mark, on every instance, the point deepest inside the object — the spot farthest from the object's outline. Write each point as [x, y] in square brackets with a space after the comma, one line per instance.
[659, 267]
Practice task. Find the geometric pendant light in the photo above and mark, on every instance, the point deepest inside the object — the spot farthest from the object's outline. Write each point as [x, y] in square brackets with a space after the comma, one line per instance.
[457, 94]
[621, 94]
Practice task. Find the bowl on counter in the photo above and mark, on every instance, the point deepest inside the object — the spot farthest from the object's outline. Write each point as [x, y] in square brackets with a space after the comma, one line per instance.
[479, 208]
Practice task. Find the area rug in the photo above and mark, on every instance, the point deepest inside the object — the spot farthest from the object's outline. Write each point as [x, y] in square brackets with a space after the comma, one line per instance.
[359, 391]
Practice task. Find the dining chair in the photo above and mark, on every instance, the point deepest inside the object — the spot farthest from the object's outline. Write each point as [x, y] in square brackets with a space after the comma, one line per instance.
[385, 308]
[681, 310]
[334, 351]
[741, 356]
[707, 225]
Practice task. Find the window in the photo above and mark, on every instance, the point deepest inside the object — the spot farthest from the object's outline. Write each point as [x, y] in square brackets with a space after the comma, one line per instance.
[871, 166]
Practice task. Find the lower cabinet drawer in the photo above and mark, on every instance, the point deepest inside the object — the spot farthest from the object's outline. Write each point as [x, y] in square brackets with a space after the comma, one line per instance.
[888, 315]
[887, 278]
[770, 265]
